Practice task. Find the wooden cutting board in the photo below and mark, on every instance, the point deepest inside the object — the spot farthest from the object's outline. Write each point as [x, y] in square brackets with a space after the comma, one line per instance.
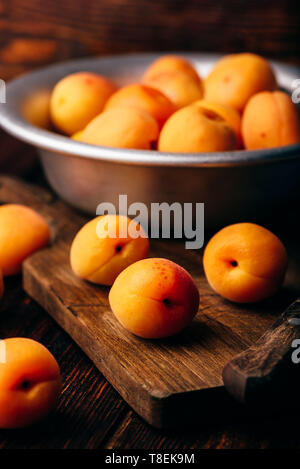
[170, 382]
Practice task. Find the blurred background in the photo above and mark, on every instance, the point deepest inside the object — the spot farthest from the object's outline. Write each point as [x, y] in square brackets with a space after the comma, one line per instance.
[37, 32]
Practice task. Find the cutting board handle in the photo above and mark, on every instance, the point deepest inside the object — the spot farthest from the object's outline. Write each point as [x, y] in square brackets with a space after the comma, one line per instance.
[269, 371]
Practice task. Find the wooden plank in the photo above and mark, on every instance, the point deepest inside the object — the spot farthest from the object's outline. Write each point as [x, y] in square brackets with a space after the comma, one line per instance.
[89, 409]
[32, 33]
[280, 432]
[168, 382]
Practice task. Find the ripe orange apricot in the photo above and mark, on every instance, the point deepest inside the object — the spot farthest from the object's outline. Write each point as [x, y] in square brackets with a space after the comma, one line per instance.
[237, 77]
[30, 382]
[181, 88]
[270, 120]
[143, 97]
[195, 129]
[170, 63]
[22, 232]
[77, 99]
[245, 262]
[36, 108]
[154, 298]
[105, 246]
[230, 115]
[121, 128]
[77, 135]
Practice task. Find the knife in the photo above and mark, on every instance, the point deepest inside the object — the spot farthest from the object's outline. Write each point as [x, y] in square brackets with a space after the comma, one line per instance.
[268, 372]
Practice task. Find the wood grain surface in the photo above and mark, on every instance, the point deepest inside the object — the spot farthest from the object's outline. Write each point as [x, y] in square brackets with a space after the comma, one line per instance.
[37, 32]
[265, 372]
[170, 382]
[91, 414]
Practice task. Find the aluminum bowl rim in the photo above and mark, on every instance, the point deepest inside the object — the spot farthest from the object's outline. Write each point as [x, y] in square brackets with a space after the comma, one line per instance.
[14, 123]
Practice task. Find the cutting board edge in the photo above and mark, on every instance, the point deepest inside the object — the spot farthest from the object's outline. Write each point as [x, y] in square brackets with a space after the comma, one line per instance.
[156, 407]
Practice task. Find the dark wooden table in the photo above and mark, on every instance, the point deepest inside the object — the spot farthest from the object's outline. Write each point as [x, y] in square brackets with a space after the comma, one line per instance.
[32, 33]
[90, 413]
[35, 32]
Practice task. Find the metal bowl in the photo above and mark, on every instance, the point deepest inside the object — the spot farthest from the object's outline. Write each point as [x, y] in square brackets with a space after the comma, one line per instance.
[235, 186]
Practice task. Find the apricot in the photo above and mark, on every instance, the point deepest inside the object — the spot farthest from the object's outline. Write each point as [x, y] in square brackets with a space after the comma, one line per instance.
[154, 298]
[195, 129]
[105, 246]
[181, 88]
[145, 98]
[237, 77]
[30, 382]
[77, 135]
[77, 99]
[270, 120]
[245, 262]
[170, 63]
[36, 108]
[230, 115]
[22, 232]
[121, 128]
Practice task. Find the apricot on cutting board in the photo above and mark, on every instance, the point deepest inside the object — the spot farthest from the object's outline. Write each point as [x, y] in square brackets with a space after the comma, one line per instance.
[77, 99]
[154, 298]
[181, 88]
[30, 382]
[230, 115]
[245, 262]
[22, 232]
[195, 129]
[105, 246]
[237, 77]
[145, 98]
[121, 128]
[270, 119]
[170, 63]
